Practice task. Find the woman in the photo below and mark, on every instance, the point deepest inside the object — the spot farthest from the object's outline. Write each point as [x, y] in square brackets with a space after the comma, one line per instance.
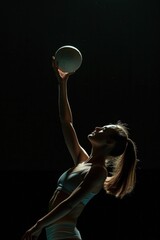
[111, 149]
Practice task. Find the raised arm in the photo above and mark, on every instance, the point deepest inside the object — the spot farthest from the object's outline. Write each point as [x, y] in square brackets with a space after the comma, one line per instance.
[77, 152]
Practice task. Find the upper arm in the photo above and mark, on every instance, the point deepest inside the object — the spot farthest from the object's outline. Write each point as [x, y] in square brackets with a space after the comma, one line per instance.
[77, 152]
[93, 182]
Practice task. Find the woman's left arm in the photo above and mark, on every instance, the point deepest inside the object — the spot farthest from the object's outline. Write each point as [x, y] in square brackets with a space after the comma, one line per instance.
[95, 177]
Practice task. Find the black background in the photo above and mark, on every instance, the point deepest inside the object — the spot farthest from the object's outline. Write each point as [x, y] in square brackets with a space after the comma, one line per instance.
[118, 80]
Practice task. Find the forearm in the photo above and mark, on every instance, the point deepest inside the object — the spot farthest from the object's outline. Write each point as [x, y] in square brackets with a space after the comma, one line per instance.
[63, 102]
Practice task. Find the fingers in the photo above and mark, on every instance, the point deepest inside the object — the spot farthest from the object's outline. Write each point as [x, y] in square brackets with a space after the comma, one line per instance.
[71, 73]
[59, 73]
[54, 61]
[54, 64]
[55, 67]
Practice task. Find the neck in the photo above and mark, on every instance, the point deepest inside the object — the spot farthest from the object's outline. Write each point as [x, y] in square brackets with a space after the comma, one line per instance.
[97, 157]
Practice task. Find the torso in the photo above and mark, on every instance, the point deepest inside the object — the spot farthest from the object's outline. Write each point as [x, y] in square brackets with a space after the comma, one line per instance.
[67, 224]
[59, 196]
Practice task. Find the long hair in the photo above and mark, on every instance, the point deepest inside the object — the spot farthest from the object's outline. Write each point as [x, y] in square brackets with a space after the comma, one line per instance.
[123, 164]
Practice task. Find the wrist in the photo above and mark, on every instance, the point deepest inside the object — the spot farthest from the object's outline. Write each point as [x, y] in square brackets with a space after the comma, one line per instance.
[62, 81]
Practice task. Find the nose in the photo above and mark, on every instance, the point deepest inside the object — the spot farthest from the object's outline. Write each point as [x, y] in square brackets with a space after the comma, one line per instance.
[98, 128]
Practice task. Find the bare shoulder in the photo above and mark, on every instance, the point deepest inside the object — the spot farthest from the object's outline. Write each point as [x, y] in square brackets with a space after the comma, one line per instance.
[95, 178]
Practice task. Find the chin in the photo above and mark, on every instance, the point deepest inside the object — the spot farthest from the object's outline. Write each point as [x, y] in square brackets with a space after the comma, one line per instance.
[90, 136]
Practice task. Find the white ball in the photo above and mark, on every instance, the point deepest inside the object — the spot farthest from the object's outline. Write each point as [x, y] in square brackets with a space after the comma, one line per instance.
[68, 58]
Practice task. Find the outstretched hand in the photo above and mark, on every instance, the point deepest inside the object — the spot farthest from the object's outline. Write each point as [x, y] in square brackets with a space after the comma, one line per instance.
[32, 234]
[59, 73]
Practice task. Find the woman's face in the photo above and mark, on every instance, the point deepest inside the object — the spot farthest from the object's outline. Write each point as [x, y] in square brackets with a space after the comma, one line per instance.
[101, 135]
